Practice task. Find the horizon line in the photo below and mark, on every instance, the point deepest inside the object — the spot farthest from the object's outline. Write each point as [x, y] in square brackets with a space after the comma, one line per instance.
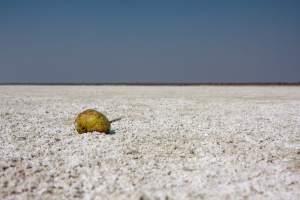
[162, 83]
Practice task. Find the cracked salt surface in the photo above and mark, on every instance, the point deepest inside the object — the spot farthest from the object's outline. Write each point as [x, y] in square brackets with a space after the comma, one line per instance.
[194, 142]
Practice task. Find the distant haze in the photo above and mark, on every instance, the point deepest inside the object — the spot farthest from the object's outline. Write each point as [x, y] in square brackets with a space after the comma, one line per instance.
[130, 41]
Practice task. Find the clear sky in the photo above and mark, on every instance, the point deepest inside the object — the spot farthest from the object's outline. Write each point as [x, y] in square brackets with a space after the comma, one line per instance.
[190, 41]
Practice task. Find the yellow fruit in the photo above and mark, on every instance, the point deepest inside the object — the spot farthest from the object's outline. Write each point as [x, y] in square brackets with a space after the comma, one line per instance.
[92, 121]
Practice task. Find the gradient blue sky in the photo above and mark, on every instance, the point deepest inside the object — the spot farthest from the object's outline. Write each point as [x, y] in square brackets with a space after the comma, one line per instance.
[189, 41]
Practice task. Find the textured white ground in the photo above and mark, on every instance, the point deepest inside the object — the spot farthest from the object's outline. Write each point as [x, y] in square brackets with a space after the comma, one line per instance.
[195, 142]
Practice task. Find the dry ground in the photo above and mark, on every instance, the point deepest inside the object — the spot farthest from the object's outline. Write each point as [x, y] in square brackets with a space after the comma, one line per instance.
[183, 142]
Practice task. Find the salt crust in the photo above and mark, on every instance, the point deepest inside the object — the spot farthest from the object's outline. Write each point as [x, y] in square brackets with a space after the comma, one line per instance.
[192, 142]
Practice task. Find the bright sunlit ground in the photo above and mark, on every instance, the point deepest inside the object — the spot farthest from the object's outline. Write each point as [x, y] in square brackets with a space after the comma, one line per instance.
[173, 142]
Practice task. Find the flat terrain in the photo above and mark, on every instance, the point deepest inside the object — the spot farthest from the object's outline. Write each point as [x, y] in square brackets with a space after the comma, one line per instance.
[173, 142]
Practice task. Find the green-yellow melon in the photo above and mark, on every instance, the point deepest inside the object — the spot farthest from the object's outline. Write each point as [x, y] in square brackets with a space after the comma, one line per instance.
[92, 121]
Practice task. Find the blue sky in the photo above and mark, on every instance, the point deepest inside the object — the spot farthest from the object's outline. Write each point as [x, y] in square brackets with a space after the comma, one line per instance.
[190, 41]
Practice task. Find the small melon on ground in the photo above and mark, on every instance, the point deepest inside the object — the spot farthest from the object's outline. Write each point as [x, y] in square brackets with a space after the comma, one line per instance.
[92, 121]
